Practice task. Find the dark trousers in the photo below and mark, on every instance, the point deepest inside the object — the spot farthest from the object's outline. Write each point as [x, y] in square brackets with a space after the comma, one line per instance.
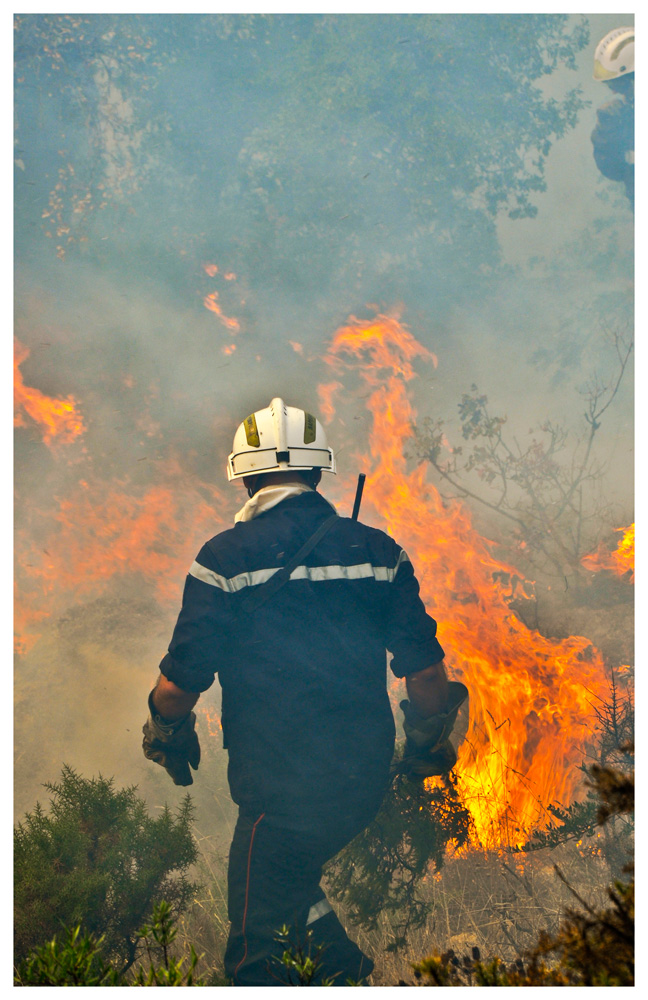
[273, 881]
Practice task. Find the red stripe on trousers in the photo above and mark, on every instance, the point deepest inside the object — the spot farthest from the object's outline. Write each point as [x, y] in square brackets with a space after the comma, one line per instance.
[247, 892]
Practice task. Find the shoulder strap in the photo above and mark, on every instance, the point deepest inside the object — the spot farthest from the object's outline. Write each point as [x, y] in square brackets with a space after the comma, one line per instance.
[265, 591]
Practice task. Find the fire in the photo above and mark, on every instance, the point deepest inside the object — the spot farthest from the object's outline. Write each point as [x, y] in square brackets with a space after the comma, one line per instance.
[326, 394]
[59, 419]
[211, 302]
[390, 345]
[212, 720]
[104, 534]
[531, 697]
[621, 561]
[25, 619]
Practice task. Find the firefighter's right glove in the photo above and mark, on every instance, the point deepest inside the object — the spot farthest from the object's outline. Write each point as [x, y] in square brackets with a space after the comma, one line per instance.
[431, 743]
[173, 745]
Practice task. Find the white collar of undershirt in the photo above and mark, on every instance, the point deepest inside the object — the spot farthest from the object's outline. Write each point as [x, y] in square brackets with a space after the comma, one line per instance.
[267, 497]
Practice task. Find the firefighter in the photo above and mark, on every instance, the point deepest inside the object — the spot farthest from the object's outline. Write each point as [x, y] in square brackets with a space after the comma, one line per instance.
[613, 136]
[301, 660]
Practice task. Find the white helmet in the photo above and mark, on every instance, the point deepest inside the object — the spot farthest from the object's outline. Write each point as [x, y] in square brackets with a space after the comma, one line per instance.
[279, 438]
[614, 54]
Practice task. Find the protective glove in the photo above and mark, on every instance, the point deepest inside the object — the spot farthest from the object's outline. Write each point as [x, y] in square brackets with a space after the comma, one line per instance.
[174, 745]
[431, 743]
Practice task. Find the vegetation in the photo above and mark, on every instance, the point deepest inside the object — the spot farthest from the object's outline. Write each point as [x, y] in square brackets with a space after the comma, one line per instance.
[594, 945]
[160, 936]
[349, 163]
[610, 784]
[347, 88]
[383, 870]
[301, 961]
[98, 862]
[78, 960]
[75, 961]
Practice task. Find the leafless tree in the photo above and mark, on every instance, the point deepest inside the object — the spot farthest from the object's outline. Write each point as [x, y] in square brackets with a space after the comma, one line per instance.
[539, 487]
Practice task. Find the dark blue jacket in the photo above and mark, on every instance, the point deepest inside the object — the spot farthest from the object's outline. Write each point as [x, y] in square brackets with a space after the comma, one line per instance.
[306, 715]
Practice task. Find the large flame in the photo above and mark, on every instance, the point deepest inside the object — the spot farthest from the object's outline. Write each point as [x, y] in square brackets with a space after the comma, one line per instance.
[620, 561]
[531, 697]
[105, 533]
[59, 419]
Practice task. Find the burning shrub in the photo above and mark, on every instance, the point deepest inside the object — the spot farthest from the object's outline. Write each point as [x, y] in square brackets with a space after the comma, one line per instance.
[594, 946]
[610, 783]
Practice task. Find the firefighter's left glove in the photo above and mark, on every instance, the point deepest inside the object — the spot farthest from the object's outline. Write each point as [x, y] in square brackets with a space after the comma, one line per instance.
[173, 745]
[431, 743]
[426, 751]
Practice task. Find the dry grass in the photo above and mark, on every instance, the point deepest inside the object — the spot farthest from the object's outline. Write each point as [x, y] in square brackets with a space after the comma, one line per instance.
[206, 926]
[497, 902]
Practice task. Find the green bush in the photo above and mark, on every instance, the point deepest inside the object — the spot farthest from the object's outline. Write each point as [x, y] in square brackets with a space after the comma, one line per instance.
[98, 861]
[74, 961]
[166, 970]
[78, 960]
[301, 960]
[383, 869]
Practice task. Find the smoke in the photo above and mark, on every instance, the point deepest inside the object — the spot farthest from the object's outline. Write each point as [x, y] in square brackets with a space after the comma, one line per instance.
[291, 171]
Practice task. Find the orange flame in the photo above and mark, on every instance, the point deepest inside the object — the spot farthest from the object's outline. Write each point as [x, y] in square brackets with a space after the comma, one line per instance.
[59, 419]
[212, 720]
[104, 534]
[211, 302]
[26, 619]
[326, 394]
[531, 697]
[621, 561]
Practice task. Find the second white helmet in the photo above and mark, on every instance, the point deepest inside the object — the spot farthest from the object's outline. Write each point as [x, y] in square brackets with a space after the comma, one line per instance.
[279, 438]
[614, 54]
